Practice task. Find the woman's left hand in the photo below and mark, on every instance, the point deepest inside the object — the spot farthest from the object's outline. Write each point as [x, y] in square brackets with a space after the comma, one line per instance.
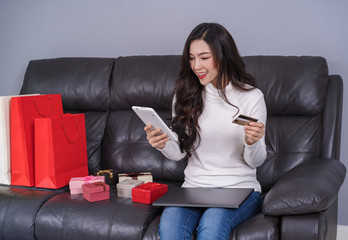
[254, 131]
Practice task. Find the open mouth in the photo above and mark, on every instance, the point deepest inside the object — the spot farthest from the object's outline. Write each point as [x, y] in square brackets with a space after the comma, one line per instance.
[201, 75]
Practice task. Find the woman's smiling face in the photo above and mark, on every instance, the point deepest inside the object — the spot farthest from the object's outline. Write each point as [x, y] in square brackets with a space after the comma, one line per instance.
[202, 62]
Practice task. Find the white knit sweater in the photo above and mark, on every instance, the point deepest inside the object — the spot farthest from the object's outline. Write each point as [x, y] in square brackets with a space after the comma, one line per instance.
[223, 159]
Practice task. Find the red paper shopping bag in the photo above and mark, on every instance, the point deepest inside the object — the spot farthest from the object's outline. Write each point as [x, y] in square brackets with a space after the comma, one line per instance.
[24, 110]
[60, 150]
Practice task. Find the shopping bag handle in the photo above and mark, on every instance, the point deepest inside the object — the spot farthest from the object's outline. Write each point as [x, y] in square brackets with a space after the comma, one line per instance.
[40, 112]
[73, 139]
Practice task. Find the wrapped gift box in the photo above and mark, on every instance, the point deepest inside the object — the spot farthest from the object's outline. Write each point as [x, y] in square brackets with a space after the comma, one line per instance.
[76, 183]
[124, 188]
[148, 192]
[144, 176]
[96, 191]
[109, 175]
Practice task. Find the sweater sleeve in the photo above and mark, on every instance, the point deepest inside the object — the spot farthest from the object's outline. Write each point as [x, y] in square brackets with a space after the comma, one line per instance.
[255, 155]
[172, 151]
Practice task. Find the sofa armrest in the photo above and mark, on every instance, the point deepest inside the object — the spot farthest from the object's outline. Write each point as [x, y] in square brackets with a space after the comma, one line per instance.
[308, 188]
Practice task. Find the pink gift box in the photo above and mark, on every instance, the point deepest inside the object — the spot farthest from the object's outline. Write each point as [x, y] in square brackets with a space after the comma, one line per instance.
[75, 184]
[96, 191]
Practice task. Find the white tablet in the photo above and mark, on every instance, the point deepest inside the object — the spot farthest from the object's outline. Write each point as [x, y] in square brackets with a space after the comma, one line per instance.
[149, 116]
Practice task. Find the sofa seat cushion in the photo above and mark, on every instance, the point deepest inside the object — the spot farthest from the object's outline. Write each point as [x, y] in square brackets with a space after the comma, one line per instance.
[18, 208]
[68, 216]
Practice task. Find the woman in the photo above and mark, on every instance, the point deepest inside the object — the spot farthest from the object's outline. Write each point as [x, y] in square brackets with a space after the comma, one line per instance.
[212, 90]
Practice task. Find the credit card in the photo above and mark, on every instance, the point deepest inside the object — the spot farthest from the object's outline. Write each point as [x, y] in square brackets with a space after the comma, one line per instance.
[244, 120]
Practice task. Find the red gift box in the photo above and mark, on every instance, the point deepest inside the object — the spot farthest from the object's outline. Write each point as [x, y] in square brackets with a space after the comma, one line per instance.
[96, 191]
[148, 192]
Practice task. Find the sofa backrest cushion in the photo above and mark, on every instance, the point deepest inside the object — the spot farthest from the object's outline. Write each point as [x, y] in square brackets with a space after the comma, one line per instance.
[295, 90]
[82, 82]
[140, 81]
[291, 85]
[144, 81]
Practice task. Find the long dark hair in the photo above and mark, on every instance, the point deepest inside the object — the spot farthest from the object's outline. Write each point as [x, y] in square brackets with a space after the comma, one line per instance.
[188, 90]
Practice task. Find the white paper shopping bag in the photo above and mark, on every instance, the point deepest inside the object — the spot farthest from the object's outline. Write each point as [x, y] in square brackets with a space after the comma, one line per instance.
[5, 157]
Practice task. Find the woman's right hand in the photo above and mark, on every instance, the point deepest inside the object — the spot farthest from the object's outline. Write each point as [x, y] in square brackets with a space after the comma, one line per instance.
[154, 137]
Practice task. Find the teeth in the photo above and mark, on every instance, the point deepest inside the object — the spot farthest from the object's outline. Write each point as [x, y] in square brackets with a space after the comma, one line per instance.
[201, 74]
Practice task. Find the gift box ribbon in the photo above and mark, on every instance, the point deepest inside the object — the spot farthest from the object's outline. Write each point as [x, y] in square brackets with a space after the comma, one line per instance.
[150, 188]
[88, 178]
[100, 184]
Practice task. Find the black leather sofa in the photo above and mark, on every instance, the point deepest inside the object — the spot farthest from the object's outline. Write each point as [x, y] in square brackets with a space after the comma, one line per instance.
[300, 178]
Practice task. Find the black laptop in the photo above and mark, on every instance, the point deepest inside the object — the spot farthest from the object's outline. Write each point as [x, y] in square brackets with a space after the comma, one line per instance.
[204, 197]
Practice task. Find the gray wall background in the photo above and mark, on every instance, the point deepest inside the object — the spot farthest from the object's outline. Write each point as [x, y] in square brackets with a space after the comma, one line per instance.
[39, 29]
